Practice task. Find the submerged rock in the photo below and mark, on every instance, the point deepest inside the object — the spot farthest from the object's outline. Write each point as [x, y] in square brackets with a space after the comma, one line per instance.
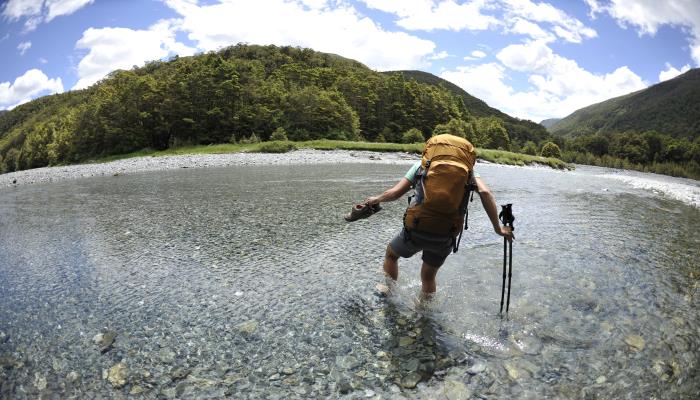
[456, 390]
[105, 340]
[513, 371]
[248, 327]
[72, 376]
[167, 356]
[39, 381]
[347, 362]
[411, 380]
[527, 344]
[136, 390]
[666, 371]
[117, 375]
[406, 341]
[478, 367]
[635, 342]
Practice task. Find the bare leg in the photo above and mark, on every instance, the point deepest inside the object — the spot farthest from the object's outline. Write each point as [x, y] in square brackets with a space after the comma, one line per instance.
[427, 277]
[391, 264]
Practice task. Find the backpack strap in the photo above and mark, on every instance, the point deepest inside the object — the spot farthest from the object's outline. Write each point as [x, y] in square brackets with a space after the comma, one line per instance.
[469, 190]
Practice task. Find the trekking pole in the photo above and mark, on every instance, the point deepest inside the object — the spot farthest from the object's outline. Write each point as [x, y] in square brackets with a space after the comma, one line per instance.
[507, 218]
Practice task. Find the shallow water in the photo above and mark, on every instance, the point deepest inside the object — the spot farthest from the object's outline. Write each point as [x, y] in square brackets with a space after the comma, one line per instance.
[246, 282]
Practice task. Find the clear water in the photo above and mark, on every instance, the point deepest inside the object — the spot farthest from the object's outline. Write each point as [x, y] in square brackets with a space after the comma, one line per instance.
[246, 282]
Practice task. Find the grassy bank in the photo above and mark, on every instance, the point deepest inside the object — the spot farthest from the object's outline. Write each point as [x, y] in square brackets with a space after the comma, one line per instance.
[494, 156]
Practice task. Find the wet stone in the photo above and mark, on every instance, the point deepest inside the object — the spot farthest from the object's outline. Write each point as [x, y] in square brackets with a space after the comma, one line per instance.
[456, 390]
[105, 340]
[72, 376]
[9, 362]
[478, 367]
[528, 344]
[347, 362]
[136, 390]
[248, 327]
[411, 380]
[179, 373]
[166, 356]
[635, 342]
[406, 341]
[512, 370]
[117, 375]
[40, 381]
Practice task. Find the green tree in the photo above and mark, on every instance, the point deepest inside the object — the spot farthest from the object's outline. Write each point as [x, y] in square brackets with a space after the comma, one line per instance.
[550, 149]
[279, 134]
[530, 148]
[413, 135]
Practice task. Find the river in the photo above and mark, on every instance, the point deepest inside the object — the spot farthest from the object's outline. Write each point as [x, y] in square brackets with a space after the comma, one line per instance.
[246, 282]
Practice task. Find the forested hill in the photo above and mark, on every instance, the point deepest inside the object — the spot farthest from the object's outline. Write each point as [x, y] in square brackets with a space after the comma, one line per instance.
[671, 107]
[524, 130]
[245, 92]
[547, 123]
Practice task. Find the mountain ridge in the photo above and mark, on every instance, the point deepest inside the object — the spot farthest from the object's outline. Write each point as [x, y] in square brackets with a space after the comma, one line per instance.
[671, 107]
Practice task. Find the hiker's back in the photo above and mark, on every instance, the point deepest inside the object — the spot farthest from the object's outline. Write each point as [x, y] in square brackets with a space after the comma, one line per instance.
[442, 186]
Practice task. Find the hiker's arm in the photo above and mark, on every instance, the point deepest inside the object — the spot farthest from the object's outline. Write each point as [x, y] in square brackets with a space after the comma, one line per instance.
[392, 194]
[489, 203]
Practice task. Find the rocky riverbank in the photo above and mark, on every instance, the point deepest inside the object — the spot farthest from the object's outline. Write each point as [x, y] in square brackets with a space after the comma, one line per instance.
[148, 164]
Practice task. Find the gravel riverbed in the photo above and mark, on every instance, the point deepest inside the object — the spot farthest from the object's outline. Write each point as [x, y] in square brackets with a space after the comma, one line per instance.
[148, 164]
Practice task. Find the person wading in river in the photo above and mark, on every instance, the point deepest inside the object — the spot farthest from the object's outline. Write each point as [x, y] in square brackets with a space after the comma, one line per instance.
[443, 182]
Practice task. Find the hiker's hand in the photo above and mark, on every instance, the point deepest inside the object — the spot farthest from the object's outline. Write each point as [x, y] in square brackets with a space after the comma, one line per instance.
[371, 200]
[506, 232]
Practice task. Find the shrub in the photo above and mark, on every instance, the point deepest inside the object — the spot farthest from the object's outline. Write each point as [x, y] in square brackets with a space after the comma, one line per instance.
[413, 135]
[253, 138]
[279, 134]
[277, 147]
[550, 149]
[529, 148]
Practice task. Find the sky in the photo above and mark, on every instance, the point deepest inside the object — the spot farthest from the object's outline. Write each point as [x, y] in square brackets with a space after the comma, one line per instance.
[528, 58]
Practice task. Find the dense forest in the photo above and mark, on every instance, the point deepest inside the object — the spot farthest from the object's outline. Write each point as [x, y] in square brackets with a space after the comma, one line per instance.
[655, 130]
[241, 93]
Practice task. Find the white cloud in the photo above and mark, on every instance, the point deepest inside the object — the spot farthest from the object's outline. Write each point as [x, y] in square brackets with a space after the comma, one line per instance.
[649, 15]
[43, 60]
[565, 26]
[559, 85]
[520, 26]
[16, 9]
[670, 72]
[121, 48]
[475, 55]
[23, 47]
[338, 29]
[38, 11]
[439, 56]
[26, 87]
[428, 15]
[57, 8]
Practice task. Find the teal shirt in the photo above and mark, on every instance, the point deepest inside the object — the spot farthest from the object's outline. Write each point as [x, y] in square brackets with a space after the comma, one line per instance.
[411, 174]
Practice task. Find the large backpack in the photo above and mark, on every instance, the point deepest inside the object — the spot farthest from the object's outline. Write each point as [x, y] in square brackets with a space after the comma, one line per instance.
[443, 185]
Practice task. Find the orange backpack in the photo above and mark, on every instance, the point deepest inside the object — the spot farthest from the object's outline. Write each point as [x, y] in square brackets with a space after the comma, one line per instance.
[443, 185]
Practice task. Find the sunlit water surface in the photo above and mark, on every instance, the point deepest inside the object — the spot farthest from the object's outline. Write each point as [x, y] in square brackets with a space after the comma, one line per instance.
[246, 282]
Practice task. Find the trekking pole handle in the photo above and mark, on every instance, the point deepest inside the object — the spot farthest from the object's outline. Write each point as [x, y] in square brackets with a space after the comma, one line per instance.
[506, 215]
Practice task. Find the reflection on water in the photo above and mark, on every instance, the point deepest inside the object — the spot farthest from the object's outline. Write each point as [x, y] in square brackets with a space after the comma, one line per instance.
[246, 282]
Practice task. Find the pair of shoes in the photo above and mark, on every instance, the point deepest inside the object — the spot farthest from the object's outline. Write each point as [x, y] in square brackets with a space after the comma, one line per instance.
[360, 211]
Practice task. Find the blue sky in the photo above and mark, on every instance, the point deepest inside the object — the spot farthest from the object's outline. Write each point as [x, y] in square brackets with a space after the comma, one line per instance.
[531, 59]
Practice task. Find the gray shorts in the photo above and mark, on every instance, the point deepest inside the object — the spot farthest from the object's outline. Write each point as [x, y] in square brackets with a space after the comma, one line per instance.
[435, 248]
